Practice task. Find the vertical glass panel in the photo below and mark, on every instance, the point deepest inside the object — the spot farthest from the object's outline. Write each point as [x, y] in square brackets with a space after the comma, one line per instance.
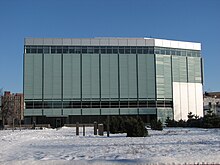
[29, 76]
[146, 76]
[194, 69]
[90, 76]
[113, 79]
[95, 83]
[132, 76]
[71, 76]
[183, 69]
[163, 71]
[86, 76]
[175, 69]
[198, 70]
[105, 76]
[37, 74]
[33, 76]
[167, 77]
[179, 68]
[48, 76]
[52, 76]
[124, 84]
[57, 76]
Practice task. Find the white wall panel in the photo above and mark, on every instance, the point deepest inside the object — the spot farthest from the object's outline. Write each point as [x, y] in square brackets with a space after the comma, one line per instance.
[184, 100]
[187, 97]
[176, 101]
[192, 97]
[199, 99]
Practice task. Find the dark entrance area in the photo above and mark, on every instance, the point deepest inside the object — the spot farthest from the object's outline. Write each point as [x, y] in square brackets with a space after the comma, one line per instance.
[58, 123]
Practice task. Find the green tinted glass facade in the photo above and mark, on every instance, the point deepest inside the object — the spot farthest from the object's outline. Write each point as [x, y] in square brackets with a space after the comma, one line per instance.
[76, 80]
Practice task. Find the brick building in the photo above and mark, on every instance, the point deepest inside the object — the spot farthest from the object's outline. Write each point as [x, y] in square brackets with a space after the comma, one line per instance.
[12, 107]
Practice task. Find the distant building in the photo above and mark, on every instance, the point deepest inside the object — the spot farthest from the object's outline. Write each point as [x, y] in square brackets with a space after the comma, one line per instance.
[68, 79]
[212, 102]
[12, 107]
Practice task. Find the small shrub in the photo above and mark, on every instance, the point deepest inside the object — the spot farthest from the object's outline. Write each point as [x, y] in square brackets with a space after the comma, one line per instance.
[181, 123]
[135, 127]
[208, 121]
[156, 125]
[171, 123]
[117, 124]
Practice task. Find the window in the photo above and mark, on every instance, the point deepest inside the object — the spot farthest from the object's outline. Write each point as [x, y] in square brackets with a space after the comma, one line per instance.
[53, 49]
[157, 51]
[77, 49]
[109, 50]
[46, 49]
[90, 50]
[139, 51]
[127, 50]
[151, 50]
[38, 104]
[103, 50]
[65, 49]
[173, 52]
[29, 105]
[121, 50]
[57, 104]
[115, 50]
[105, 104]
[40, 50]
[168, 52]
[71, 49]
[133, 50]
[67, 104]
[163, 51]
[124, 104]
[84, 49]
[28, 50]
[59, 49]
[114, 104]
[183, 53]
[95, 104]
[189, 53]
[47, 104]
[178, 53]
[86, 104]
[34, 50]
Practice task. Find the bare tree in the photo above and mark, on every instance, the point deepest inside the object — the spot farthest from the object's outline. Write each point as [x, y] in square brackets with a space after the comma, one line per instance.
[10, 109]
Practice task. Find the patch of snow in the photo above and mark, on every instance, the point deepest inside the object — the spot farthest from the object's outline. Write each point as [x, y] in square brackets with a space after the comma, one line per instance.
[62, 146]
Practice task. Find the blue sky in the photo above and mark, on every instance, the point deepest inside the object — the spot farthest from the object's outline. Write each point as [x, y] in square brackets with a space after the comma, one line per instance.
[187, 20]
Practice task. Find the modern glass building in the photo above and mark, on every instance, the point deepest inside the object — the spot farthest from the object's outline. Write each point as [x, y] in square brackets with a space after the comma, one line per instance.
[68, 80]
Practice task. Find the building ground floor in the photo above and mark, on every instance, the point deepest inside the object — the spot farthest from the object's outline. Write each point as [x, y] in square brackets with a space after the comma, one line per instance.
[60, 117]
[56, 122]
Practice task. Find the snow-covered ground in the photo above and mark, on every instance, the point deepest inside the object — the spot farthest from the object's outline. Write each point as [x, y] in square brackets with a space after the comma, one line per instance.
[62, 146]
